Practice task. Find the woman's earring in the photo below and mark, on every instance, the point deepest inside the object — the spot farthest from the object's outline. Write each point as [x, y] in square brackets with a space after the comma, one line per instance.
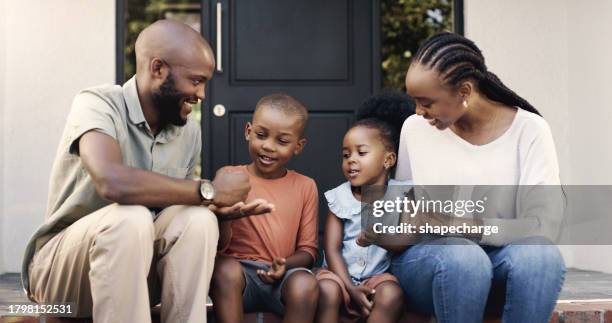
[465, 104]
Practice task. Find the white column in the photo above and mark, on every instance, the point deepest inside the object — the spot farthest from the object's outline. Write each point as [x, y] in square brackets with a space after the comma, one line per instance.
[2, 121]
[590, 101]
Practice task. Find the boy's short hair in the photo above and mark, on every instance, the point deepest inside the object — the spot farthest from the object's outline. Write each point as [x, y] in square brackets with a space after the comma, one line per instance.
[287, 104]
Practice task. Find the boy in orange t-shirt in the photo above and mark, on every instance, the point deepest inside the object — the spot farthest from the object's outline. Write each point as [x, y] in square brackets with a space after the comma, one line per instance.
[262, 265]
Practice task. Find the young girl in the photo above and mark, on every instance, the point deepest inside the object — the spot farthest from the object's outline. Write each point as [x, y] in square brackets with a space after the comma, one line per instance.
[355, 283]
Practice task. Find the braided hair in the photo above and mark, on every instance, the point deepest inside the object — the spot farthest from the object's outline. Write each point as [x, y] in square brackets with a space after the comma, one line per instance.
[386, 113]
[457, 59]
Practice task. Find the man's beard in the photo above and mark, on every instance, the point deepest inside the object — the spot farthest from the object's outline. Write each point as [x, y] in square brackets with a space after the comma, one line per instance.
[168, 103]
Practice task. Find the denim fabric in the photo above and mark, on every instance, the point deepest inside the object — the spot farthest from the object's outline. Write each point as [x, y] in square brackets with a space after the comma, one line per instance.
[458, 280]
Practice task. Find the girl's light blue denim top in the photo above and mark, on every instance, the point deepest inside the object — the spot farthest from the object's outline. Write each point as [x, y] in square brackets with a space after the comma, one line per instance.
[362, 262]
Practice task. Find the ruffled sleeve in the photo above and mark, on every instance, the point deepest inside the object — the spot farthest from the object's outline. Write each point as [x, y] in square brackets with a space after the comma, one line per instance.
[341, 201]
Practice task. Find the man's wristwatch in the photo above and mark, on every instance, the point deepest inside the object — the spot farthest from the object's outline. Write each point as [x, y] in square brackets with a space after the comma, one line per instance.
[207, 191]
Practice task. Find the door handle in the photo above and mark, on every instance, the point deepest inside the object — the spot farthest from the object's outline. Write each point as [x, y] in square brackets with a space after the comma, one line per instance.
[219, 38]
[219, 110]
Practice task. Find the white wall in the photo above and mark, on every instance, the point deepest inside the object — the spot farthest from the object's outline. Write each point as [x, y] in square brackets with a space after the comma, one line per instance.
[555, 54]
[590, 101]
[590, 84]
[2, 85]
[525, 43]
[55, 48]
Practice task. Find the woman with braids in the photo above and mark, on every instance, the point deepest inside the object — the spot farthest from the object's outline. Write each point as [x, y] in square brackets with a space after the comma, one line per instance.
[470, 129]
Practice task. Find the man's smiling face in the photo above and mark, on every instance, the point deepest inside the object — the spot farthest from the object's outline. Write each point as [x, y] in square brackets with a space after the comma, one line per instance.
[184, 86]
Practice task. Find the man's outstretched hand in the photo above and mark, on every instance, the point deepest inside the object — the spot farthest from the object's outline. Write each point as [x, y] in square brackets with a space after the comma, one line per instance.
[240, 209]
[231, 187]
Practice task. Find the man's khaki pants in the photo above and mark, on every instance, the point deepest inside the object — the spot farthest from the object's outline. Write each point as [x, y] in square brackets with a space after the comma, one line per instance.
[116, 262]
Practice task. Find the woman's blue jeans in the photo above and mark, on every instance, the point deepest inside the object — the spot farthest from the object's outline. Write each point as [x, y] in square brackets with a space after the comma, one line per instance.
[458, 280]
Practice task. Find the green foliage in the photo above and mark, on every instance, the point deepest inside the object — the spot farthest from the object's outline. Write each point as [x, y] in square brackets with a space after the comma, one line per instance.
[405, 24]
[138, 15]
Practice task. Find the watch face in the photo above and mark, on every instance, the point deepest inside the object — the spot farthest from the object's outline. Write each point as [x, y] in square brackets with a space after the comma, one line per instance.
[207, 190]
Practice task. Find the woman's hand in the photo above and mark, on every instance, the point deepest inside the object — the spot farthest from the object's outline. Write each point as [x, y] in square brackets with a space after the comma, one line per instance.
[360, 295]
[367, 237]
[394, 242]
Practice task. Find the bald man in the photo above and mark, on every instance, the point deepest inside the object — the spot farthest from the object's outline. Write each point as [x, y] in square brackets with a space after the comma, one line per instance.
[126, 226]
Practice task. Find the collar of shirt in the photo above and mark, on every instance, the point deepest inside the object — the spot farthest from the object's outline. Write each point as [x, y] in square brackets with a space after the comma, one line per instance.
[130, 94]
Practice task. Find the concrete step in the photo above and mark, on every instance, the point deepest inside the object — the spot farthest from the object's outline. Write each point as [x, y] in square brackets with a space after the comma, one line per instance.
[575, 312]
[586, 298]
[600, 312]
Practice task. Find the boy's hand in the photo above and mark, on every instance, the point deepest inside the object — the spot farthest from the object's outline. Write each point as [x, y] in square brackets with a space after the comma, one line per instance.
[231, 187]
[361, 295]
[274, 273]
[239, 210]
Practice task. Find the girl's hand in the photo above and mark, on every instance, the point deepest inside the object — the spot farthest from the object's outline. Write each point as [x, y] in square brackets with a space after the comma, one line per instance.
[360, 295]
[274, 273]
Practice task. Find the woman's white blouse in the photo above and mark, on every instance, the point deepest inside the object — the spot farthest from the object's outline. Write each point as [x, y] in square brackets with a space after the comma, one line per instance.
[523, 156]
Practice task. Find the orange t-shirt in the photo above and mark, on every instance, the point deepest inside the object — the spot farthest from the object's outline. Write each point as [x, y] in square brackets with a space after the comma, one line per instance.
[291, 227]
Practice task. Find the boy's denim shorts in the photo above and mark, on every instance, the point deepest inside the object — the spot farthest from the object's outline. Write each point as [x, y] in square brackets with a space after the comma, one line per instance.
[259, 296]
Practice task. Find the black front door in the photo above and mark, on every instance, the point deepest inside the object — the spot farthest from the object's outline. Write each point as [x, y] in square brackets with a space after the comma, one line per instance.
[325, 53]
